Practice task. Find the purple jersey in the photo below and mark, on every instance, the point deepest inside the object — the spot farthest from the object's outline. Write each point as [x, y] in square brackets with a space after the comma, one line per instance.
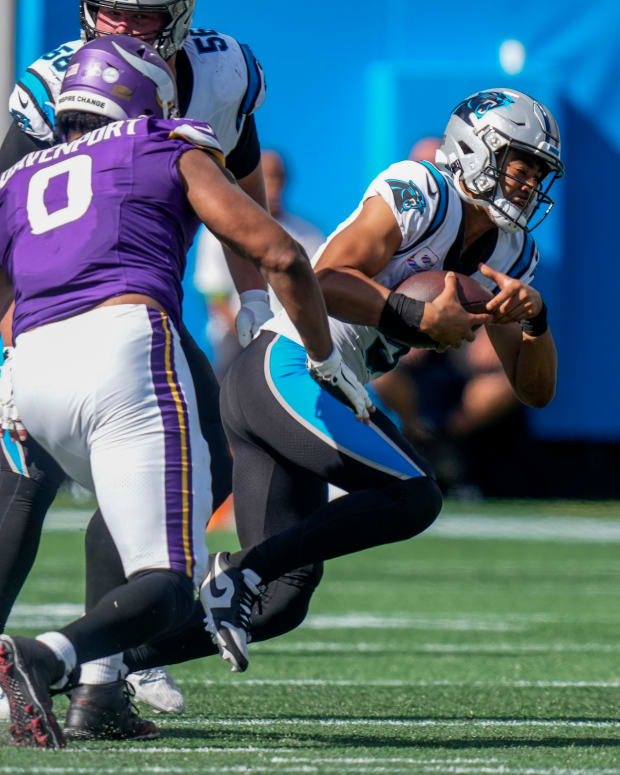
[98, 217]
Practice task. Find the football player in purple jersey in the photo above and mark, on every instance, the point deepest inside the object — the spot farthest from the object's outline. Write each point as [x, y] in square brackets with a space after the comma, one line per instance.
[218, 81]
[100, 377]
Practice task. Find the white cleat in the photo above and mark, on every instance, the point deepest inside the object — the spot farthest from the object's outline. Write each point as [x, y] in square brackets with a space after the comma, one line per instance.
[227, 595]
[156, 688]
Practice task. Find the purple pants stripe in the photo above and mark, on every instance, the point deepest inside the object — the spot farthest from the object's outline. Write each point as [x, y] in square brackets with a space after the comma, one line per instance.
[178, 476]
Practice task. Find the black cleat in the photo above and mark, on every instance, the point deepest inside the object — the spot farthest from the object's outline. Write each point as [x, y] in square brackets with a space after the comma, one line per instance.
[106, 712]
[27, 670]
[227, 595]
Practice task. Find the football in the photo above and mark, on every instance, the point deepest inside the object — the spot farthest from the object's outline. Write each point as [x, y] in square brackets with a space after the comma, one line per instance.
[426, 286]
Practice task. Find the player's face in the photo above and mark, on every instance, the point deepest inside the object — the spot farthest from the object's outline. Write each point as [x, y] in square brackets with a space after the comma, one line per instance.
[521, 174]
[142, 25]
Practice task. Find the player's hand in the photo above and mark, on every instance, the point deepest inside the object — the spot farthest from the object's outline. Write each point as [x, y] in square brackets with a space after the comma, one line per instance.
[515, 300]
[447, 322]
[9, 416]
[255, 311]
[337, 378]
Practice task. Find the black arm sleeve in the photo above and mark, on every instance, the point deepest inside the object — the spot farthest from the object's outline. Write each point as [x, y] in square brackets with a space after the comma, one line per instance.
[17, 144]
[400, 321]
[245, 156]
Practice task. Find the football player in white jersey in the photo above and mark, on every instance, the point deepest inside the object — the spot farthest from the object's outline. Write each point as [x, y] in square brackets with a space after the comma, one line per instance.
[499, 156]
[473, 213]
[219, 81]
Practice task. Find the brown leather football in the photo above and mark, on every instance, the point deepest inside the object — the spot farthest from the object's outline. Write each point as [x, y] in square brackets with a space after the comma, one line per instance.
[426, 286]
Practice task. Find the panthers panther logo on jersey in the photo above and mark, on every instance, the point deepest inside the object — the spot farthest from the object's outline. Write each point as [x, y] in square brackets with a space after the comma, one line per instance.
[21, 119]
[407, 196]
[480, 104]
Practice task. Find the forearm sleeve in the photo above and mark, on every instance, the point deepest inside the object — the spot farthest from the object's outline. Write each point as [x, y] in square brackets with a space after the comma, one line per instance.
[400, 321]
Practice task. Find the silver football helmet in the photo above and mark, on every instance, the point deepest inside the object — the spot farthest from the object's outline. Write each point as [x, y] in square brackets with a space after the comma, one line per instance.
[480, 132]
[168, 41]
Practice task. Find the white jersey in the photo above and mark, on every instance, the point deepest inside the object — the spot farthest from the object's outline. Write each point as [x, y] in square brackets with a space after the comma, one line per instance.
[228, 85]
[429, 213]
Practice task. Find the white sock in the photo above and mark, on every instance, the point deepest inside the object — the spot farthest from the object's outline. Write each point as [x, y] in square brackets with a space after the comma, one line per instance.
[102, 671]
[62, 648]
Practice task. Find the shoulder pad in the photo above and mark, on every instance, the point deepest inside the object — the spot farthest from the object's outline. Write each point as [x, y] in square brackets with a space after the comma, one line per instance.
[199, 135]
[205, 45]
[32, 103]
[413, 186]
[257, 86]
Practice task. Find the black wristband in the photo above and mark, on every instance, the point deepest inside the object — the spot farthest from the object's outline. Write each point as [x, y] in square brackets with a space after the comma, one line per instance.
[400, 321]
[536, 326]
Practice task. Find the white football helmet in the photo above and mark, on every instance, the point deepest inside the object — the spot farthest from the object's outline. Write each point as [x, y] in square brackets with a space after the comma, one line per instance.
[168, 41]
[480, 132]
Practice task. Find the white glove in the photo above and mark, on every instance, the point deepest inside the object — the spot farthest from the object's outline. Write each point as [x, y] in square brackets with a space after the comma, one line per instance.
[255, 311]
[337, 378]
[9, 416]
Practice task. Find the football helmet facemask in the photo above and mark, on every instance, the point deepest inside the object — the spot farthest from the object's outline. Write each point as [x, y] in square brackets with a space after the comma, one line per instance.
[481, 131]
[168, 40]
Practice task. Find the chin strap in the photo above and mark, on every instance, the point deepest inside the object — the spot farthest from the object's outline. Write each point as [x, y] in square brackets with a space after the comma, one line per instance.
[494, 206]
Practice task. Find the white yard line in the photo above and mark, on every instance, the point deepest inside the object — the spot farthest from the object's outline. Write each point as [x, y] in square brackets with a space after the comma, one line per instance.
[314, 682]
[275, 763]
[525, 528]
[312, 647]
[46, 615]
[490, 723]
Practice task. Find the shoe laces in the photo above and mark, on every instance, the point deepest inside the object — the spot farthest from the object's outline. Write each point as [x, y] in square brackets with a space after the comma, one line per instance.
[151, 675]
[66, 686]
[247, 597]
[128, 694]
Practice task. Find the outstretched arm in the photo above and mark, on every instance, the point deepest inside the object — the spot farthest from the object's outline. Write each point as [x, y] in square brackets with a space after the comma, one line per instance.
[241, 224]
[247, 229]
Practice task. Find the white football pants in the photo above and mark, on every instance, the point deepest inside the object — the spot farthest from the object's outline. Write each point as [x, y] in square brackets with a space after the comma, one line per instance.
[109, 395]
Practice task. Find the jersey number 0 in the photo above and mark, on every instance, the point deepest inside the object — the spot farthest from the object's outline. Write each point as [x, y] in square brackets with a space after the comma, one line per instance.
[77, 173]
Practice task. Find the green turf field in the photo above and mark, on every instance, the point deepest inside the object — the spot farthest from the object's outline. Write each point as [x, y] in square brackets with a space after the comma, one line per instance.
[490, 645]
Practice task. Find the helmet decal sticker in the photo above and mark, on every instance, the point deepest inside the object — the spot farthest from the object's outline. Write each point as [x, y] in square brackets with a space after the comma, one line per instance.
[480, 104]
[165, 85]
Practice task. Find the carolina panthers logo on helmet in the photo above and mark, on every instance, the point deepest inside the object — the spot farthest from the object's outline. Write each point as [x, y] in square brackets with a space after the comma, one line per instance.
[22, 121]
[407, 196]
[481, 103]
